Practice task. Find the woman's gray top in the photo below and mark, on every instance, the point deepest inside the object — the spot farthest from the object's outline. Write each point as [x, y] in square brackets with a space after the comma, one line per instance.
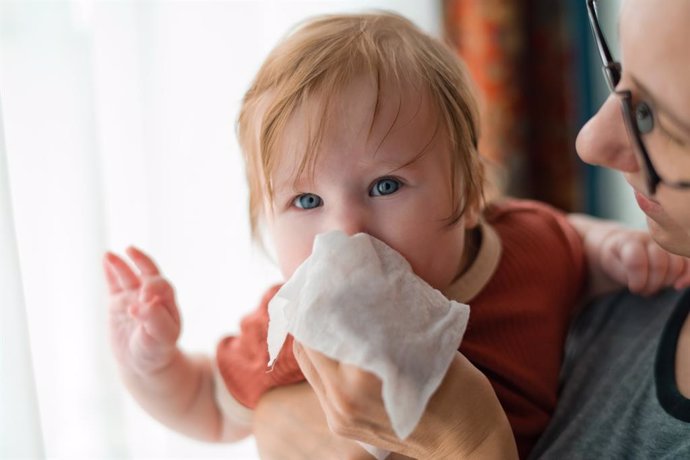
[618, 396]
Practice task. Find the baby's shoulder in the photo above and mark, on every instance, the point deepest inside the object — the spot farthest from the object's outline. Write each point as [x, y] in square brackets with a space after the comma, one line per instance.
[513, 211]
[527, 225]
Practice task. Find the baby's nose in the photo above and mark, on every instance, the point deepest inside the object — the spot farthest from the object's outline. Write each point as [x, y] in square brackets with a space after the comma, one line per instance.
[351, 220]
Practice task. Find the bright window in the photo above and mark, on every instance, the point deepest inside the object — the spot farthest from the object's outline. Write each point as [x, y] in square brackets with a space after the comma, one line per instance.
[119, 128]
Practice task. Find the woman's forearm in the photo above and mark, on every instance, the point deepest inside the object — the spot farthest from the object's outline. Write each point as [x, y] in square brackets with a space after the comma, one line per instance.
[289, 424]
[463, 420]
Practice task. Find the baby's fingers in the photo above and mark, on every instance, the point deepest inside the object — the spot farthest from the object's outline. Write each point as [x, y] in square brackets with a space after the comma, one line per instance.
[160, 287]
[676, 269]
[121, 274]
[683, 279]
[143, 262]
[156, 320]
[111, 277]
[660, 265]
[636, 264]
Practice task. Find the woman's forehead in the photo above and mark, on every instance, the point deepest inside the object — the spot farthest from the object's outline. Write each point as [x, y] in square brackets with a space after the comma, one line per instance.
[654, 39]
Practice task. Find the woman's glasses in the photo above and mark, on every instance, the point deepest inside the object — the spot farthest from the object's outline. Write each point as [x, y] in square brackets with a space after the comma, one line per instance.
[639, 120]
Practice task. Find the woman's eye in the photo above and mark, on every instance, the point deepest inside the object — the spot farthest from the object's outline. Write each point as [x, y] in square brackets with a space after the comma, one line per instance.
[385, 187]
[307, 201]
[644, 118]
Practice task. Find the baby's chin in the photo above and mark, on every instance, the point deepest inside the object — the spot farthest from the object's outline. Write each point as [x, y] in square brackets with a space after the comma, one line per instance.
[438, 281]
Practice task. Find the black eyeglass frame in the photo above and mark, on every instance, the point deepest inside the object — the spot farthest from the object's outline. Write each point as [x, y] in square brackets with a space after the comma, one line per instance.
[612, 75]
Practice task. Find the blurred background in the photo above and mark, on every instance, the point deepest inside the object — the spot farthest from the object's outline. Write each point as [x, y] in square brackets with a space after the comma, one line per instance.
[117, 127]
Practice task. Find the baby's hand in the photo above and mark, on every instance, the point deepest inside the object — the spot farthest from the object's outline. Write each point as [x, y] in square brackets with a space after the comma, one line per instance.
[632, 258]
[144, 319]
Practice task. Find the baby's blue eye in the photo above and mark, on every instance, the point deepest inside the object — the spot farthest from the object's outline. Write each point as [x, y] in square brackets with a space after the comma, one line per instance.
[385, 186]
[308, 201]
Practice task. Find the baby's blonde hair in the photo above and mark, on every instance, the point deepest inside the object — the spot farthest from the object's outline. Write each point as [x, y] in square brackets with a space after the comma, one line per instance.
[320, 58]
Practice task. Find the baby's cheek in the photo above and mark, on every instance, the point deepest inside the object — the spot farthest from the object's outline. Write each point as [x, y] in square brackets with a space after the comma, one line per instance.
[290, 250]
[429, 263]
[294, 253]
[445, 255]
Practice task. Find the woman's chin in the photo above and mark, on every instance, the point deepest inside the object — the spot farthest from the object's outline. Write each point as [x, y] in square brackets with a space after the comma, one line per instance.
[672, 237]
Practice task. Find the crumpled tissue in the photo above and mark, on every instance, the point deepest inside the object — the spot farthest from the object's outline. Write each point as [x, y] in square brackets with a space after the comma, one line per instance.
[357, 301]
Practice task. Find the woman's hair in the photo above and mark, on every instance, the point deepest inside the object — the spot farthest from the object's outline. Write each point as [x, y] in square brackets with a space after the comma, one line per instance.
[319, 59]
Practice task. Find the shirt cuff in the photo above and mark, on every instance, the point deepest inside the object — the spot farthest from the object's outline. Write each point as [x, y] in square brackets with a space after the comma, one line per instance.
[229, 406]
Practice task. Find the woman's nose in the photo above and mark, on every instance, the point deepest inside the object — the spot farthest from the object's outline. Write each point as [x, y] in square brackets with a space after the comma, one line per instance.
[604, 139]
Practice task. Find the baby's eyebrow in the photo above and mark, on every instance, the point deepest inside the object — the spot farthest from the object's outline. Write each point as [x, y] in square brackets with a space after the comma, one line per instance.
[282, 188]
[420, 154]
[411, 162]
[391, 162]
[292, 185]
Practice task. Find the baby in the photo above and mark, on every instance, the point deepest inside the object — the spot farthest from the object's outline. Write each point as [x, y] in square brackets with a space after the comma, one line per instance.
[362, 123]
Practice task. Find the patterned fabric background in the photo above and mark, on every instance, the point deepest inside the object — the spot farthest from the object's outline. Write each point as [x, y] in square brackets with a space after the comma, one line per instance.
[521, 56]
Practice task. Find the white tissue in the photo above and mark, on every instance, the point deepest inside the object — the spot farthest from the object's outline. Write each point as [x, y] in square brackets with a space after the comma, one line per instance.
[356, 300]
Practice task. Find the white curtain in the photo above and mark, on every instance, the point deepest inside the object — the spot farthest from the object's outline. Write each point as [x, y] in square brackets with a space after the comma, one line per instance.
[119, 129]
[20, 431]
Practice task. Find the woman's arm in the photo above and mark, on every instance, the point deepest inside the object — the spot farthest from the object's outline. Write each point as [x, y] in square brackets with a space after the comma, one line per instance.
[463, 419]
[289, 424]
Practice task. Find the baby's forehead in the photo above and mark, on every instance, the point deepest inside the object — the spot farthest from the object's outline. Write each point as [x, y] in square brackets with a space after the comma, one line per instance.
[363, 109]
[360, 142]
[378, 95]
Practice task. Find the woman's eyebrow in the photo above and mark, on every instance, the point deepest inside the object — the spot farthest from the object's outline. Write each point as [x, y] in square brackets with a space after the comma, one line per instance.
[661, 107]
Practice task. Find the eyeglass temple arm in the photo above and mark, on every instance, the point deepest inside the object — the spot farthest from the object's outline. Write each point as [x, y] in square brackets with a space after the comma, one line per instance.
[601, 42]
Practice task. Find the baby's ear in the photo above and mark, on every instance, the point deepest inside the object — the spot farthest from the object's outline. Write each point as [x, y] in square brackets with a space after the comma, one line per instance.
[471, 215]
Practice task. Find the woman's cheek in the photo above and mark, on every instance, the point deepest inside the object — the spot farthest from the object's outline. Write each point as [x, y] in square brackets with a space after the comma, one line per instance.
[674, 203]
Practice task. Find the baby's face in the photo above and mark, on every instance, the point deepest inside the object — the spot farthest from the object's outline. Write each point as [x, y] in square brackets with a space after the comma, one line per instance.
[362, 182]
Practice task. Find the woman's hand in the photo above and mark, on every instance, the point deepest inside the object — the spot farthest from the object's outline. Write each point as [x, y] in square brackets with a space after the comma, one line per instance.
[290, 425]
[463, 418]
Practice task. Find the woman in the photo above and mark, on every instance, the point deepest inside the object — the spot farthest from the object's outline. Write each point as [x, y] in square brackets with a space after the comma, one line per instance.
[627, 373]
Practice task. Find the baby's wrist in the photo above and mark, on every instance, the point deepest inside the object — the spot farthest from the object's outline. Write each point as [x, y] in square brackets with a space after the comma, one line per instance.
[161, 382]
[154, 367]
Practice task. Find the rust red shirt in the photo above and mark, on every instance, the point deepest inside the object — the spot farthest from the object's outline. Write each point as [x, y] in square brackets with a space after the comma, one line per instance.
[522, 290]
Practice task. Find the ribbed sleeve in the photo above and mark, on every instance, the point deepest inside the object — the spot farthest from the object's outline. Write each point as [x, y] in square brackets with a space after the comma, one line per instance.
[242, 359]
